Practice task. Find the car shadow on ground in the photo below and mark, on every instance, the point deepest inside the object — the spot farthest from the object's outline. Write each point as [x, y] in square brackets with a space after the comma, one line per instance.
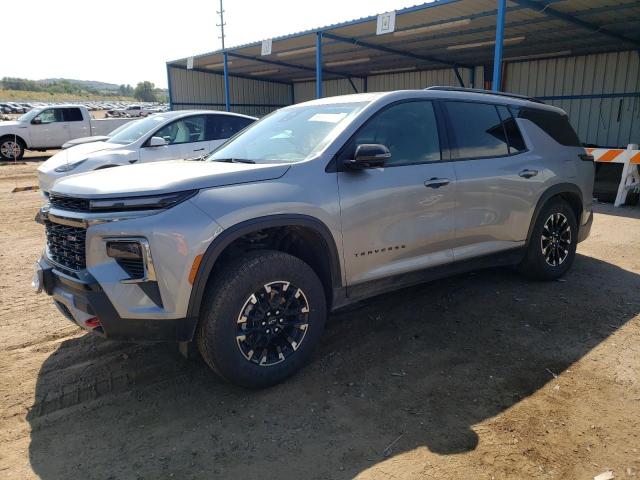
[626, 211]
[421, 366]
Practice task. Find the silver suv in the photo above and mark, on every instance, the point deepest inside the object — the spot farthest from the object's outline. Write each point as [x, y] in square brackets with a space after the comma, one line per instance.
[313, 207]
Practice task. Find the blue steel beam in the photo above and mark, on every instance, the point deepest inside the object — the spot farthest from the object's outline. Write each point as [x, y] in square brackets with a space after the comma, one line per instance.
[497, 52]
[415, 56]
[231, 75]
[353, 85]
[458, 76]
[289, 65]
[169, 87]
[227, 94]
[543, 7]
[319, 65]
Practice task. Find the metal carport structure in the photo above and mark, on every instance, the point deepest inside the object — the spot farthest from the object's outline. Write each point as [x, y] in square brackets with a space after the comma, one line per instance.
[569, 52]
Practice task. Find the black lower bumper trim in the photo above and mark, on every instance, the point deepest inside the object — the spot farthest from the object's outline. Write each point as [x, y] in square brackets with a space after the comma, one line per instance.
[90, 298]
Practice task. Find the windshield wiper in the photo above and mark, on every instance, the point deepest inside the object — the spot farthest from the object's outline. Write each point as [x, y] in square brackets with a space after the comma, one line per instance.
[234, 160]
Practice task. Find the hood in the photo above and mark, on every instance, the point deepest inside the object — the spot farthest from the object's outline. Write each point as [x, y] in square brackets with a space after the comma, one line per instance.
[75, 154]
[164, 177]
[82, 140]
[12, 124]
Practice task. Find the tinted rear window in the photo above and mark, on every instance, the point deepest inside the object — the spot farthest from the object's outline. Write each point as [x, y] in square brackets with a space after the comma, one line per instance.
[554, 124]
[476, 130]
[221, 127]
[72, 114]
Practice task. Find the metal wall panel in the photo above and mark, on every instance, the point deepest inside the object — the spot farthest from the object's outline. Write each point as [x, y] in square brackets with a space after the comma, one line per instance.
[192, 89]
[590, 89]
[304, 91]
[423, 79]
[391, 81]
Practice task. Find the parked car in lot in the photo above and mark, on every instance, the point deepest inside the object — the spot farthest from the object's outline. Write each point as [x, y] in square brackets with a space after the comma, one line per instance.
[128, 111]
[311, 208]
[183, 134]
[50, 127]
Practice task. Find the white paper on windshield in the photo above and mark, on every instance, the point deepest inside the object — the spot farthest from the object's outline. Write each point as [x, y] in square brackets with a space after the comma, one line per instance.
[328, 117]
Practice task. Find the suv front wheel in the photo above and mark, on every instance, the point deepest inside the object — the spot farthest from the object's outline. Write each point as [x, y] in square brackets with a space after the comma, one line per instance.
[553, 242]
[262, 317]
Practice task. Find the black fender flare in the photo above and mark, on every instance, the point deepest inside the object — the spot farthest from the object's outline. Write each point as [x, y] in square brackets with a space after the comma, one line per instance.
[228, 235]
[549, 193]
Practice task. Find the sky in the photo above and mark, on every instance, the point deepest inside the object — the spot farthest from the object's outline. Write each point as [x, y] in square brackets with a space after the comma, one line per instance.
[127, 41]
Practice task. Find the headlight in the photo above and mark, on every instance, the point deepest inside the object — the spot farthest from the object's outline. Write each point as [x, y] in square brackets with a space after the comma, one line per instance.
[151, 202]
[68, 166]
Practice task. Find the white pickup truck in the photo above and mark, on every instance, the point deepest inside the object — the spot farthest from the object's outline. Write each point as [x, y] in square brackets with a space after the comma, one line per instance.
[51, 127]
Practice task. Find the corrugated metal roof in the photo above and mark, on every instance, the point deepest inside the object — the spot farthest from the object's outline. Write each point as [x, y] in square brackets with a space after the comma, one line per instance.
[439, 34]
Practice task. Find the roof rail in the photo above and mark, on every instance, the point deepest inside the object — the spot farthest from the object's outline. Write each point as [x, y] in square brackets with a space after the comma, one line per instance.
[486, 92]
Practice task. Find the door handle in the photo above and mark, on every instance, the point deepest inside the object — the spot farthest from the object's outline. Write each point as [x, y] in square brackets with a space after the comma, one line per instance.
[436, 182]
[526, 173]
[199, 150]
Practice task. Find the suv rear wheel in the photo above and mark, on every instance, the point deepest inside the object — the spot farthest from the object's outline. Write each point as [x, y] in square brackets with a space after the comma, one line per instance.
[553, 242]
[261, 319]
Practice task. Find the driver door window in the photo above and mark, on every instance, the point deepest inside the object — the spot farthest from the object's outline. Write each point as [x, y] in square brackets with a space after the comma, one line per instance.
[50, 115]
[409, 130]
[185, 140]
[185, 130]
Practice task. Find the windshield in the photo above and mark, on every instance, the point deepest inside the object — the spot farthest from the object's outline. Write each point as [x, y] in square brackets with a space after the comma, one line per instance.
[289, 135]
[135, 130]
[121, 127]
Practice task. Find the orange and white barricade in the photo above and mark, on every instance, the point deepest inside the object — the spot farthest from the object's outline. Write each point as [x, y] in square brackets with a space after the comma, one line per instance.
[629, 158]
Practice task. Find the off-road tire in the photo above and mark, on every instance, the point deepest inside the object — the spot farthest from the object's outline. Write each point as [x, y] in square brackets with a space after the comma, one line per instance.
[535, 264]
[224, 300]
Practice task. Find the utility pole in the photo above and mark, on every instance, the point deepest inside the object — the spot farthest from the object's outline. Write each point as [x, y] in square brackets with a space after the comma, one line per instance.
[221, 24]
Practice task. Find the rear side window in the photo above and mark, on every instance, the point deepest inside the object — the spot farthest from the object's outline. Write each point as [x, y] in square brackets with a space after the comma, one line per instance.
[514, 137]
[221, 127]
[72, 114]
[477, 130]
[554, 124]
[409, 130]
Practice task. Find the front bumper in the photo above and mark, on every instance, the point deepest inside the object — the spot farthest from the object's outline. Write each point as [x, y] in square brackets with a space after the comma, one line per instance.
[81, 300]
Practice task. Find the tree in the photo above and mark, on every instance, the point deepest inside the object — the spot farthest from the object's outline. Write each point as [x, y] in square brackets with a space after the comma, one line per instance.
[126, 90]
[144, 92]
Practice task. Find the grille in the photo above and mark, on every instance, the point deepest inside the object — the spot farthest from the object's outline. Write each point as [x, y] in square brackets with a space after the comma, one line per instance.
[134, 267]
[66, 245]
[68, 203]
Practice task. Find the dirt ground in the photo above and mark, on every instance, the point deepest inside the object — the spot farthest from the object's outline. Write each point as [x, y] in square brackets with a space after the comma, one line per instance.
[481, 376]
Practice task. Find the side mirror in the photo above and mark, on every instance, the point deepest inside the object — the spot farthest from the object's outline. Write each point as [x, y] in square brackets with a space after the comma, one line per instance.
[157, 142]
[36, 121]
[369, 155]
